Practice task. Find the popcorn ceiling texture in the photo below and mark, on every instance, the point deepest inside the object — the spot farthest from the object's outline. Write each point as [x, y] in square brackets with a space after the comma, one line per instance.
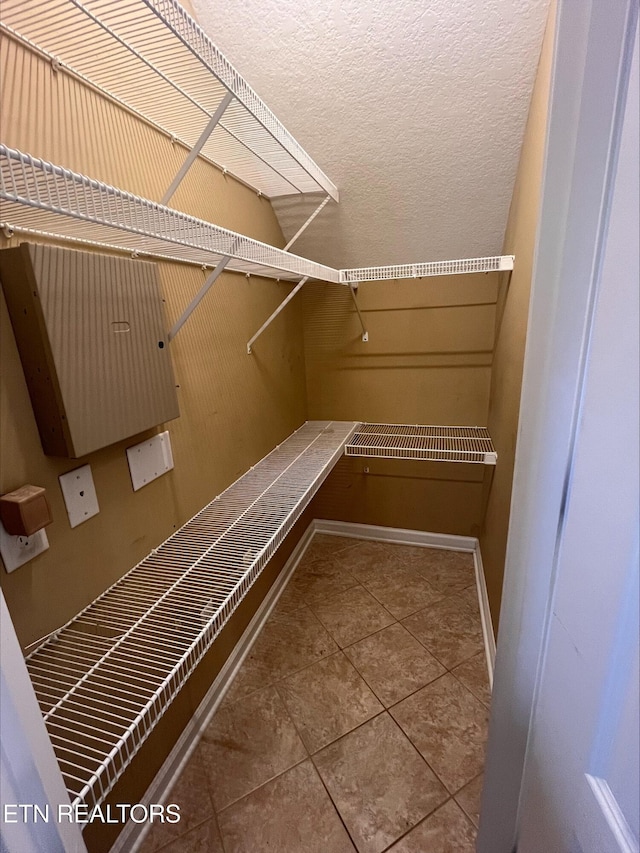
[415, 109]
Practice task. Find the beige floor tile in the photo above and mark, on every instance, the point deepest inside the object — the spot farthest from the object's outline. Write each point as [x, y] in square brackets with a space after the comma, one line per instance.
[191, 793]
[316, 581]
[247, 744]
[379, 783]
[291, 814]
[448, 630]
[205, 838]
[470, 595]
[366, 557]
[287, 643]
[401, 590]
[468, 798]
[446, 831]
[448, 725]
[447, 571]
[352, 615]
[393, 663]
[474, 675]
[268, 796]
[291, 599]
[326, 700]
[403, 553]
[325, 545]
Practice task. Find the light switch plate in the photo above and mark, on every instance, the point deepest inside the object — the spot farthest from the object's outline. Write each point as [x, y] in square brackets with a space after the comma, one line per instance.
[79, 495]
[150, 459]
[18, 550]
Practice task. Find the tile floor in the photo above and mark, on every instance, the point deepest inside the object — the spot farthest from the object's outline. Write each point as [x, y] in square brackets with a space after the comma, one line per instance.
[358, 720]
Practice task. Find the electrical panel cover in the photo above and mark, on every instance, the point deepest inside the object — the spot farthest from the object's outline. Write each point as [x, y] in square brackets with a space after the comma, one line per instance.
[91, 333]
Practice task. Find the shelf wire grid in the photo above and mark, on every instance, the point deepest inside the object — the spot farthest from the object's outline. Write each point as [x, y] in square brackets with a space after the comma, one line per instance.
[38, 197]
[152, 56]
[436, 443]
[105, 678]
[456, 267]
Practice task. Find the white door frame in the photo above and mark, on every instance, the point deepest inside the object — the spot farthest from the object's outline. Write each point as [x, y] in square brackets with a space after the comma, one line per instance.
[592, 54]
[29, 772]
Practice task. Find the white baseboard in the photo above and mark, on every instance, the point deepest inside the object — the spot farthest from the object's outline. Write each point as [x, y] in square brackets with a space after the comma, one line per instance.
[397, 535]
[133, 834]
[485, 614]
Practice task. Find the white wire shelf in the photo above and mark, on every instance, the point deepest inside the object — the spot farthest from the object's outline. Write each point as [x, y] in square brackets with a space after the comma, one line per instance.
[436, 443]
[105, 678]
[152, 56]
[461, 266]
[41, 199]
[38, 198]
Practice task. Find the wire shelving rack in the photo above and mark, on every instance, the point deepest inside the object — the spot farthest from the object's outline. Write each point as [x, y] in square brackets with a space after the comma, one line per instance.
[41, 199]
[151, 56]
[105, 678]
[436, 443]
[497, 263]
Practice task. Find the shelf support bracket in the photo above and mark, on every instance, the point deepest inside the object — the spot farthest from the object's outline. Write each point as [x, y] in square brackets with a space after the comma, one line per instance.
[191, 156]
[306, 224]
[280, 307]
[365, 334]
[197, 299]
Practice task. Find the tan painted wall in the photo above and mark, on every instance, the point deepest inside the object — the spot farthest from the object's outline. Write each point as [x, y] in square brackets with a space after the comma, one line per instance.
[235, 407]
[428, 361]
[513, 302]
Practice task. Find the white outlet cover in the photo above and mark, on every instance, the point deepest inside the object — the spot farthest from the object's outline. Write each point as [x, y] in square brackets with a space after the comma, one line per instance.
[150, 459]
[79, 495]
[18, 550]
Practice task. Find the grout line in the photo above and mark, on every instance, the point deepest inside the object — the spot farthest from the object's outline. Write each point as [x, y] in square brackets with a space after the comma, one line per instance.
[331, 800]
[261, 785]
[408, 736]
[426, 817]
[416, 750]
[344, 734]
[473, 693]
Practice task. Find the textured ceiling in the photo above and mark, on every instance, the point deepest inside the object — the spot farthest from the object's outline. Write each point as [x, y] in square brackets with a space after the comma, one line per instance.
[415, 109]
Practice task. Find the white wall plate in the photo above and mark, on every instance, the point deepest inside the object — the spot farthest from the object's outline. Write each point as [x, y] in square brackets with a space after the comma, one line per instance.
[18, 550]
[150, 459]
[79, 495]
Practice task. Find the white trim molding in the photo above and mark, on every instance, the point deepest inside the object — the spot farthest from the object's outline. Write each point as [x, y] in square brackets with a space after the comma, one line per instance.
[397, 535]
[485, 614]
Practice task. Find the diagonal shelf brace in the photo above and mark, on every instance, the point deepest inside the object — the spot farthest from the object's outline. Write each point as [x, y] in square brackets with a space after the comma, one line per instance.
[191, 156]
[365, 334]
[280, 307]
[197, 299]
[306, 224]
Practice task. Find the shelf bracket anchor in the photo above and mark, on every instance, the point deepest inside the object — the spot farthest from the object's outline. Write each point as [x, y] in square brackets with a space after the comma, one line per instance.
[280, 307]
[365, 334]
[197, 299]
[191, 156]
[306, 224]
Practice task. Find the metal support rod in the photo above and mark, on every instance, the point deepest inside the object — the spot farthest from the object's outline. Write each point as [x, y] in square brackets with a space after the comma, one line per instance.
[365, 334]
[191, 156]
[197, 299]
[307, 223]
[275, 313]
